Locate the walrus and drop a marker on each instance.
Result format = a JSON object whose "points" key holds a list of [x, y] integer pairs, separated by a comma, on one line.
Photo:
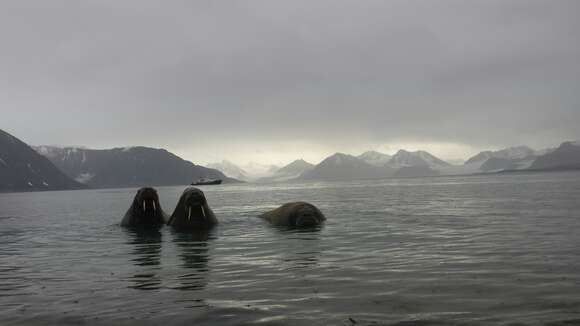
{"points": [[145, 210], [297, 214], [192, 211]]}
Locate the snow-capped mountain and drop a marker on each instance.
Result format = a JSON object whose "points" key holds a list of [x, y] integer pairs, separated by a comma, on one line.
{"points": [[230, 169], [127, 167], [23, 169], [256, 170], [513, 158], [295, 168], [289, 172], [403, 164], [404, 159], [344, 167], [512, 153], [375, 158]]}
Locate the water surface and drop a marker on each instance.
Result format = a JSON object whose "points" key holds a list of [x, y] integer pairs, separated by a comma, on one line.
{"points": [[494, 250]]}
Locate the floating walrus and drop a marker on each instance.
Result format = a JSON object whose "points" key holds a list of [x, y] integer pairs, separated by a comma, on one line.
{"points": [[297, 214]]}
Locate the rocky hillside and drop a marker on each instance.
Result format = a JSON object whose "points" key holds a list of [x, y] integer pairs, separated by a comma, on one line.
{"points": [[23, 169], [567, 156]]}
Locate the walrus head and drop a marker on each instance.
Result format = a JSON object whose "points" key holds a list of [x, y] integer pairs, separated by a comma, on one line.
{"points": [[192, 211], [145, 210], [296, 214], [305, 215]]}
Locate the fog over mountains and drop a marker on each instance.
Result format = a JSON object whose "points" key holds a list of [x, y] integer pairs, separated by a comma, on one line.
{"points": [[230, 170], [159, 167], [275, 81], [23, 168], [373, 165]]}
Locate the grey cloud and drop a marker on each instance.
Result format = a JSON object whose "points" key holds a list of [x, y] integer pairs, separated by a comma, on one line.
{"points": [[486, 73]]}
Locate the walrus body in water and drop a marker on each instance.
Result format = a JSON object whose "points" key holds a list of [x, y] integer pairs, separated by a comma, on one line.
{"points": [[192, 211], [145, 210], [298, 214]]}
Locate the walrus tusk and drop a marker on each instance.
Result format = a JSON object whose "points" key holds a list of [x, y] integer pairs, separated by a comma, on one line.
{"points": [[189, 215], [154, 207], [202, 211], [144, 209]]}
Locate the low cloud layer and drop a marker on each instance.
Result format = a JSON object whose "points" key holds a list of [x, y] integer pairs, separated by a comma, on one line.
{"points": [[273, 80]]}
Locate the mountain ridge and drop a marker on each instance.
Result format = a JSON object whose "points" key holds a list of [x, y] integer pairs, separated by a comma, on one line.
{"points": [[290, 171], [375, 158], [23, 169], [134, 166]]}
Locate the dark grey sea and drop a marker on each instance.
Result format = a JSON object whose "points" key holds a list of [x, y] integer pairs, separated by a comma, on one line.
{"points": [[480, 250]]}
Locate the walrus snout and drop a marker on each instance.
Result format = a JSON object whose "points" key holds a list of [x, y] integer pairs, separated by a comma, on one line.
{"points": [[148, 200], [306, 221], [194, 206], [306, 216]]}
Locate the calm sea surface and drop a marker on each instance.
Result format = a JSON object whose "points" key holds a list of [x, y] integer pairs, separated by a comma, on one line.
{"points": [[496, 250]]}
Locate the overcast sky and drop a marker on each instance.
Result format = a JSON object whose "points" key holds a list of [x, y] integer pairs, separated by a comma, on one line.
{"points": [[271, 81]]}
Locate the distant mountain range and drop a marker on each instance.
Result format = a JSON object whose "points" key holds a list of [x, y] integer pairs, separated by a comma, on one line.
{"points": [[249, 172], [344, 167], [127, 167], [289, 172], [374, 165], [519, 152], [231, 170], [23, 169], [263, 173]]}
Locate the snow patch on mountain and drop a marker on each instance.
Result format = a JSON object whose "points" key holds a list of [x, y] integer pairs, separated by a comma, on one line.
{"points": [[230, 169], [375, 158], [404, 158], [289, 172], [512, 153], [258, 170], [85, 177]]}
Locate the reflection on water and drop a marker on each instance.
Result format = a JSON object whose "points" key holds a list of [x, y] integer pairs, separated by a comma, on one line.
{"points": [[193, 252], [146, 256], [303, 248]]}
